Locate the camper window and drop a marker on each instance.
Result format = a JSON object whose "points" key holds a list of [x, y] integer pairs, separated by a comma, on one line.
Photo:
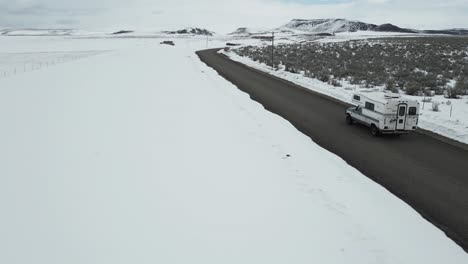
{"points": [[357, 98], [412, 111], [370, 106], [401, 111]]}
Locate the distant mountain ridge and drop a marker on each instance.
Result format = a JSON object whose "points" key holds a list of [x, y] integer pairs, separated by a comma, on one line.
{"points": [[328, 25], [340, 25], [248, 31], [192, 31], [453, 31], [122, 33]]}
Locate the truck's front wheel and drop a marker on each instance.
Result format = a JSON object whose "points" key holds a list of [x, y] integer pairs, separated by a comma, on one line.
{"points": [[349, 119], [375, 131]]}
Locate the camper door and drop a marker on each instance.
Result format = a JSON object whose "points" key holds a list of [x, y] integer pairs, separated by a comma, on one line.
{"points": [[401, 116]]}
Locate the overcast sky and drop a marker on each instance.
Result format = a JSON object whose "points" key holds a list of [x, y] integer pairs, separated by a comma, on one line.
{"points": [[224, 16]]}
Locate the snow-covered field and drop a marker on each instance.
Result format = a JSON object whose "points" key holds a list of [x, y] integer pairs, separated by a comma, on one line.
{"points": [[19, 63], [143, 154], [450, 121]]}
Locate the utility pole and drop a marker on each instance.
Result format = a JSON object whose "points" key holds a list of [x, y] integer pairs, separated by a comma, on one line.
{"points": [[465, 80], [272, 50]]}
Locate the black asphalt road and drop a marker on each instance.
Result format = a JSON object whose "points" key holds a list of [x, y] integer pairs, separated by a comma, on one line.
{"points": [[427, 173]]}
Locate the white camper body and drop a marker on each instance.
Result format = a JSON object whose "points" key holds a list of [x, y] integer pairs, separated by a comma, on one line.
{"points": [[384, 113]]}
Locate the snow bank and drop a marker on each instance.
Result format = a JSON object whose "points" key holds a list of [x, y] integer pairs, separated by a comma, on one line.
{"points": [[143, 154], [451, 121]]}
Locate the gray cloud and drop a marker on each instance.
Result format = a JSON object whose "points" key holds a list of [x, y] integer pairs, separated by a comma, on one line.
{"points": [[223, 15], [50, 14]]}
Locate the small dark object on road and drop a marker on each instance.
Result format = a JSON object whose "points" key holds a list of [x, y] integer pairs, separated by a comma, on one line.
{"points": [[325, 34], [168, 42], [232, 44], [122, 32]]}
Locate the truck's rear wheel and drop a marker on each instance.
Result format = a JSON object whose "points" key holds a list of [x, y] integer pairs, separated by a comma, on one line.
{"points": [[349, 119], [375, 131]]}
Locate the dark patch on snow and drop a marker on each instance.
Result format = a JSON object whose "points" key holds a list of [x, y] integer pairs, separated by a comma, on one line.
{"points": [[167, 42], [325, 34], [122, 32]]}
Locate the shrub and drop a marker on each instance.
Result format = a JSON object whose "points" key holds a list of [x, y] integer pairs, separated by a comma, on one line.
{"points": [[435, 106], [323, 76], [289, 68], [390, 85], [430, 62], [335, 83], [455, 92], [412, 88], [461, 86], [439, 90]]}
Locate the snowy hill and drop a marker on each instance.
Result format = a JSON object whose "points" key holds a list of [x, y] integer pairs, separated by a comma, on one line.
{"points": [[392, 28], [326, 25], [191, 31], [339, 25], [247, 31]]}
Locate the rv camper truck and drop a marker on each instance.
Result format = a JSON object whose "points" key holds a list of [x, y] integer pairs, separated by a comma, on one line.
{"points": [[384, 113]]}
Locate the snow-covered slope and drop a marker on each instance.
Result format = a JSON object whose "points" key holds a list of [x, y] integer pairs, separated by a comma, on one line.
{"points": [[38, 32], [339, 25], [143, 154], [247, 31], [327, 25]]}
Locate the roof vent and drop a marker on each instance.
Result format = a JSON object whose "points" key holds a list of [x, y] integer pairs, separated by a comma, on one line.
{"points": [[391, 96]]}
